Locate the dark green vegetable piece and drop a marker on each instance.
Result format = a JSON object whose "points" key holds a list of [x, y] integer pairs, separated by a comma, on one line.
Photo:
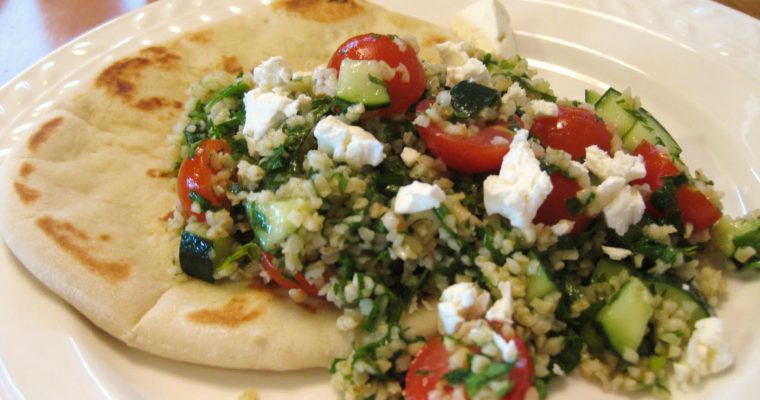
{"points": [[740, 234], [469, 98], [195, 255]]}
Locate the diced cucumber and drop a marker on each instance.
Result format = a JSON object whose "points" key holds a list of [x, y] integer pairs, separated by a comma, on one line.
{"points": [[683, 294], [624, 319], [606, 269], [361, 81], [616, 117], [732, 236], [540, 284], [199, 256], [270, 222], [591, 96], [651, 130]]}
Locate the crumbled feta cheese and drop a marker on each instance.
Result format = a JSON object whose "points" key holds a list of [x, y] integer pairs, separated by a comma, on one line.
{"points": [[626, 166], [510, 101], [348, 143], [708, 352], [472, 70], [486, 24], [521, 186], [616, 253], [501, 310], [625, 210], [508, 349], [410, 156], [606, 192], [418, 196], [300, 104], [453, 54], [273, 73], [263, 111], [461, 302], [325, 81], [543, 108]]}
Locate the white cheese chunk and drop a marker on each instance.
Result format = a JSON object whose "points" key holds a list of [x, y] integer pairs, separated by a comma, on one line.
{"points": [[708, 352], [325, 81], [486, 24], [521, 186], [453, 54], [472, 70], [461, 302], [543, 108], [348, 143], [501, 310], [626, 166], [624, 210], [263, 111], [418, 196], [273, 73], [508, 349]]}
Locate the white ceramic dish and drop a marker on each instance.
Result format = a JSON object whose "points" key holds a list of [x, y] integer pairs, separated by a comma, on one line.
{"points": [[695, 64]]}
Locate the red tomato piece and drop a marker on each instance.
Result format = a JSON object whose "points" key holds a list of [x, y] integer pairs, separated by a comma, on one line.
{"points": [[432, 363], [405, 88], [469, 154], [696, 208], [658, 164], [554, 209], [195, 176], [572, 130], [299, 283]]}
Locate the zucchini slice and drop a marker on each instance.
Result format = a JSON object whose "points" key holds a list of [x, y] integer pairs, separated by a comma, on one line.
{"points": [[624, 319], [362, 82], [199, 256]]}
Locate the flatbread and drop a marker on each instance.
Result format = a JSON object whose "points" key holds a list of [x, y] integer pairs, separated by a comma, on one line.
{"points": [[85, 198]]}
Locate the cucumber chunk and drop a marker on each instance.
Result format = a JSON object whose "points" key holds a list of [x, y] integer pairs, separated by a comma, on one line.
{"points": [[540, 284], [606, 269], [736, 238], [685, 295], [624, 319], [199, 256], [362, 82], [652, 131], [591, 96], [269, 221], [616, 117]]}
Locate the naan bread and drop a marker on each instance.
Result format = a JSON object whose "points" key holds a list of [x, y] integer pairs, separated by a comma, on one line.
{"points": [[85, 198]]}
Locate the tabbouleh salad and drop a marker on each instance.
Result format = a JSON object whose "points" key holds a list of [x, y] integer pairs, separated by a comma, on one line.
{"points": [[552, 235]]}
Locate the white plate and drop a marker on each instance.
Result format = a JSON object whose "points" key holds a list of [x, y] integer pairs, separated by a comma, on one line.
{"points": [[695, 64]]}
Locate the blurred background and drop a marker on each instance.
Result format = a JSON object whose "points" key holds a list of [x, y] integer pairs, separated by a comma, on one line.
{"points": [[30, 29]]}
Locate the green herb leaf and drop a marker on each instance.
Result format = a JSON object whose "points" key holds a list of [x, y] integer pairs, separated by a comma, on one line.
{"points": [[202, 201]]}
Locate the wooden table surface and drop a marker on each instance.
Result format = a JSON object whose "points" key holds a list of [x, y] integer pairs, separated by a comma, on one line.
{"points": [[30, 29]]}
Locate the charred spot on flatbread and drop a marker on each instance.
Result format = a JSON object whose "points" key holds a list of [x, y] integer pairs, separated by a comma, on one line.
{"points": [[433, 39], [236, 312], [25, 170], [26, 194], [77, 244], [201, 37], [231, 65], [322, 10], [104, 237], [122, 78], [157, 173], [44, 133]]}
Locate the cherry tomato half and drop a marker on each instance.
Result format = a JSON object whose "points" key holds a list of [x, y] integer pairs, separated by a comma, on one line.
{"points": [[432, 363], [572, 130], [274, 273], [195, 175], [481, 152], [696, 208], [405, 88], [554, 207]]}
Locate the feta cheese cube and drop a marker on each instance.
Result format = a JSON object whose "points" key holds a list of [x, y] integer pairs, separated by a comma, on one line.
{"points": [[418, 196], [624, 210], [461, 302], [501, 310], [263, 111], [453, 54], [273, 73], [521, 186], [508, 349], [543, 108], [472, 70], [626, 166], [347, 143], [486, 24], [708, 352], [325, 81]]}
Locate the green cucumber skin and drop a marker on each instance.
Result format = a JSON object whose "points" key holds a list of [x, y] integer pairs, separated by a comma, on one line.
{"points": [[269, 221], [540, 284], [355, 85], [731, 234], [675, 292]]}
